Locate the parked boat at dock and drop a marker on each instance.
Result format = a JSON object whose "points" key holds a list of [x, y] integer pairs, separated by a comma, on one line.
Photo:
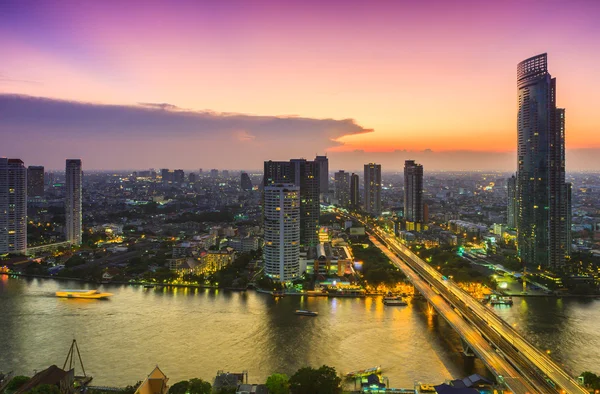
{"points": [[364, 372], [394, 301], [84, 294]]}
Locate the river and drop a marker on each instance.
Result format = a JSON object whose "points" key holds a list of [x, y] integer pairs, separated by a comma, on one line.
{"points": [[195, 332]]}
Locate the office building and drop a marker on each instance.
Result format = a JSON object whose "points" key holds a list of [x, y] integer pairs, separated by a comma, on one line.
{"points": [[246, 182], [542, 194], [166, 175], [511, 209], [178, 176], [323, 162], [73, 200], [304, 174], [35, 181], [372, 181], [281, 251], [214, 173], [342, 188], [13, 206], [354, 191], [413, 192]]}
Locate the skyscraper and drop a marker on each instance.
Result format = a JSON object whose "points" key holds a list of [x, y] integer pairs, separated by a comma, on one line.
{"points": [[413, 192], [542, 194], [512, 211], [354, 191], [73, 199], [35, 181], [282, 231], [342, 188], [372, 179], [246, 183], [304, 174], [323, 162], [307, 176], [13, 206]]}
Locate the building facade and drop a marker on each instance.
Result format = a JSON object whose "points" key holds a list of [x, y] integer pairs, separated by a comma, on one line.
{"points": [[372, 180], [323, 162], [281, 250], [413, 192], [306, 175], [35, 181], [511, 209], [13, 206], [354, 191], [73, 200], [245, 182], [342, 188], [542, 194]]}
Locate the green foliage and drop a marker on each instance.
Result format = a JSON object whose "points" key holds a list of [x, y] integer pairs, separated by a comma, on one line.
{"points": [[131, 389], [74, 261], [45, 389], [591, 380], [278, 384], [227, 390], [452, 265], [209, 217], [377, 268], [308, 380], [17, 382], [179, 387], [199, 386]]}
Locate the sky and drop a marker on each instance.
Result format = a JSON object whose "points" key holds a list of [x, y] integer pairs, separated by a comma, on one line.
{"points": [[228, 84]]}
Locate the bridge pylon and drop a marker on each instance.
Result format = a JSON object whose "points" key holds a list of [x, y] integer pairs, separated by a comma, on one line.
{"points": [[466, 349]]}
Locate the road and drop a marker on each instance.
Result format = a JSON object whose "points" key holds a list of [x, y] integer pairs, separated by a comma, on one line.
{"points": [[533, 365], [480, 346]]}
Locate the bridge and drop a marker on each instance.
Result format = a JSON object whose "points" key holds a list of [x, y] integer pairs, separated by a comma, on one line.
{"points": [[508, 355]]}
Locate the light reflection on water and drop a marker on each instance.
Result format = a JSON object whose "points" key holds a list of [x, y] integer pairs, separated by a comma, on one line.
{"points": [[195, 332]]}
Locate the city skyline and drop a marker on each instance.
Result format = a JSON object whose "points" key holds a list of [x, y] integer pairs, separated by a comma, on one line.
{"points": [[132, 90]]}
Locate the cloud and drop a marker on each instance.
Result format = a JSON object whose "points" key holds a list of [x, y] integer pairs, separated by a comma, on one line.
{"points": [[158, 134]]}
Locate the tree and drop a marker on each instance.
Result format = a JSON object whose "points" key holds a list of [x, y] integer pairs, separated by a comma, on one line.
{"points": [[74, 261], [199, 386], [278, 383], [17, 382], [45, 389], [179, 387], [131, 389], [308, 380]]}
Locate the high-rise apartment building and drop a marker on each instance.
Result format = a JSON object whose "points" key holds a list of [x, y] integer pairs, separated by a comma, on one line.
{"points": [[354, 191], [73, 200], [511, 209], [178, 176], [304, 174], [413, 192], [35, 181], [342, 188], [372, 180], [214, 173], [542, 194], [13, 206], [323, 174], [282, 231], [246, 182]]}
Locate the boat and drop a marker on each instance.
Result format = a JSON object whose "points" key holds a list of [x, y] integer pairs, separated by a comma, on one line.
{"points": [[502, 301], [278, 294], [84, 294], [303, 312], [364, 372], [148, 286], [394, 301]]}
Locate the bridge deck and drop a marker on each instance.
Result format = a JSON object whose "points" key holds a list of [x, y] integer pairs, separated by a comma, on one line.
{"points": [[493, 360]]}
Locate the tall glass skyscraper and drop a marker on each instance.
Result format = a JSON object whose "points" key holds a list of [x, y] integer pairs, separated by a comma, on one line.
{"points": [[73, 199], [13, 206], [542, 194], [372, 179], [413, 192], [282, 231]]}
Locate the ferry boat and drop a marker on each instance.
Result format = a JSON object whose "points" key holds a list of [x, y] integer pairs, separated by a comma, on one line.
{"points": [[394, 301], [85, 294], [364, 372], [303, 312], [502, 301]]}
